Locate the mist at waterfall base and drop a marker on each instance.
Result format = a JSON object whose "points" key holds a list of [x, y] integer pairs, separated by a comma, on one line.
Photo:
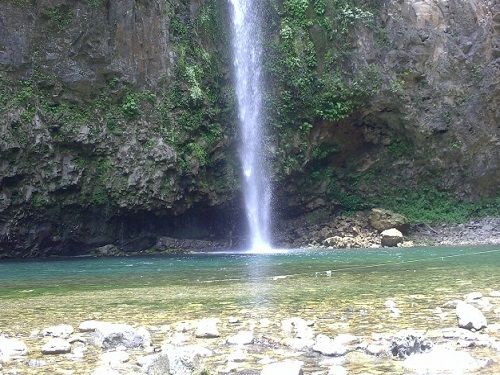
{"points": [[247, 57]]}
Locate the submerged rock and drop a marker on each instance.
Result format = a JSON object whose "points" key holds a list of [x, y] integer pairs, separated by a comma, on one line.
{"points": [[56, 346], [111, 336], [470, 317], [391, 237], [288, 367]]}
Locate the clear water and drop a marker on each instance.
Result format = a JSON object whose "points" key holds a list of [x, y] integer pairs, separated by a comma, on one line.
{"points": [[165, 290], [247, 57]]}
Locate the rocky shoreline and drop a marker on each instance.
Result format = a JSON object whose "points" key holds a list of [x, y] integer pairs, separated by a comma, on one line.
{"points": [[238, 345]]}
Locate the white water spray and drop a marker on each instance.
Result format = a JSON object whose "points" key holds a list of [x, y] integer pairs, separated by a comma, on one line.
{"points": [[247, 55]]}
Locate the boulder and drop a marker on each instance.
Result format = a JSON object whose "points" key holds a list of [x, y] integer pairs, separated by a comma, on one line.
{"points": [[287, 367], [61, 330], [207, 328], [381, 220], [56, 346], [391, 237], [10, 347], [442, 360], [470, 317], [111, 336], [326, 346]]}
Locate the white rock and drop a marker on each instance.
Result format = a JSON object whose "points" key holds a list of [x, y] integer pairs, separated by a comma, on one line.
{"points": [[283, 368], [346, 339], [264, 323], [56, 346], [469, 317], [390, 304], [105, 370], [183, 326], [241, 338], [473, 296], [61, 330], [495, 293], [377, 349], [298, 344], [329, 347], [233, 320], [391, 237], [337, 370], [12, 348], [207, 328], [443, 360]]}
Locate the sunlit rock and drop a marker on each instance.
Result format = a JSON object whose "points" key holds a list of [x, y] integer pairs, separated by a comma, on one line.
{"points": [[56, 346], [11, 348], [391, 237], [443, 360], [381, 220], [61, 330], [326, 346], [470, 317], [241, 338], [288, 367], [207, 328]]}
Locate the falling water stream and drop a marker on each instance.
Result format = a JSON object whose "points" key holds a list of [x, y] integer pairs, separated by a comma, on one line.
{"points": [[247, 55]]}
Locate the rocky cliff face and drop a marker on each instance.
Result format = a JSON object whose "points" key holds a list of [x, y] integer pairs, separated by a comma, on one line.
{"points": [[118, 117]]}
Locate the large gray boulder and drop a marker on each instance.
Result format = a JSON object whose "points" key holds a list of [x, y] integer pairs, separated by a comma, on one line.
{"points": [[111, 335], [470, 317]]}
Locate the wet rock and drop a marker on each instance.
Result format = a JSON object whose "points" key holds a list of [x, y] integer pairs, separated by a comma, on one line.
{"points": [[382, 220], [207, 328], [56, 346], [288, 367], [241, 338], [391, 237], [11, 348], [61, 330], [407, 342], [111, 336], [107, 250], [329, 347], [443, 360], [469, 317]]}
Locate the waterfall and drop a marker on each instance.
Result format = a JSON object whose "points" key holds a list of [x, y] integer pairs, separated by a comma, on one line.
{"points": [[247, 55]]}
